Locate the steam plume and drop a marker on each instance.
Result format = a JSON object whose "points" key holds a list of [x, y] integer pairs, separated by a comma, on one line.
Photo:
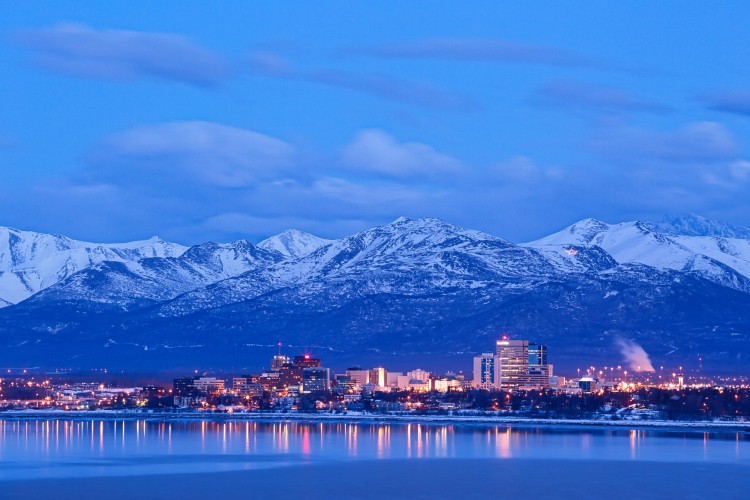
{"points": [[634, 355]]}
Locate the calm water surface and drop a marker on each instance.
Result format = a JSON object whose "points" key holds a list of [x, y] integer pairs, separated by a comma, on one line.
{"points": [[32, 449]]}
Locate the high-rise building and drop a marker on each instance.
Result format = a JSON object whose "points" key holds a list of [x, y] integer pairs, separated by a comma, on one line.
{"points": [[315, 379], [537, 354], [278, 361], [539, 375], [271, 381], [514, 362], [184, 386], [306, 361], [487, 371], [379, 377], [539, 370], [291, 373], [344, 384], [419, 374], [358, 375], [209, 385]]}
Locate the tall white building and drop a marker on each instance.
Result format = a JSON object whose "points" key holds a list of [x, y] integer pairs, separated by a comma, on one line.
{"points": [[487, 371], [419, 374]]}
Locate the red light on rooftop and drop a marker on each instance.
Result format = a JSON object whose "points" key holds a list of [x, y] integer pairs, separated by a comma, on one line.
{"points": [[505, 337], [307, 356]]}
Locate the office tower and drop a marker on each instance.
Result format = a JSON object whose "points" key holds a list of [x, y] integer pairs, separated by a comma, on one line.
{"points": [[278, 361], [514, 362], [539, 370], [358, 375], [209, 385], [379, 377], [419, 374], [306, 361], [487, 371], [537, 354], [184, 386], [315, 379], [291, 373]]}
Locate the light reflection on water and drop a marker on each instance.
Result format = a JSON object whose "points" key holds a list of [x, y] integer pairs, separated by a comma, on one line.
{"points": [[65, 448]]}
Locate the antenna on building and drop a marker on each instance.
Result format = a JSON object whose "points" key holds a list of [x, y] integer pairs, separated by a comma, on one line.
{"points": [[279, 348]]}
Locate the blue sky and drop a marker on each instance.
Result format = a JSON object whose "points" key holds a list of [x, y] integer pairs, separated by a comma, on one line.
{"points": [[223, 120]]}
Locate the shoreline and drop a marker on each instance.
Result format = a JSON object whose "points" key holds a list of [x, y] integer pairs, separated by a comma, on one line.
{"points": [[692, 425]]}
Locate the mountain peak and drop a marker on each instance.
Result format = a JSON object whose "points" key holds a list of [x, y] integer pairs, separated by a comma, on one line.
{"points": [[293, 243], [401, 220], [583, 232]]}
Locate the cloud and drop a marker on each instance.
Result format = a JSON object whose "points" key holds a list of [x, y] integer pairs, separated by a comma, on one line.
{"points": [[205, 152], [740, 170], [697, 168], [731, 101], [120, 55], [581, 95], [269, 64], [695, 142], [478, 49], [376, 151], [523, 169], [193, 181]]}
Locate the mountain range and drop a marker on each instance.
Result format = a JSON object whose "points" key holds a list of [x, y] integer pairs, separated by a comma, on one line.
{"points": [[413, 291]]}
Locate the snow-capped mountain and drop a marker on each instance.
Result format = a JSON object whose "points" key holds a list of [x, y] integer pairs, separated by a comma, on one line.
{"points": [[409, 256], [723, 260], [293, 243], [695, 225], [30, 261], [125, 283], [411, 287]]}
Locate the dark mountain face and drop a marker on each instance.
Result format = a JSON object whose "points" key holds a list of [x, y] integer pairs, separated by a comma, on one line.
{"points": [[412, 293]]}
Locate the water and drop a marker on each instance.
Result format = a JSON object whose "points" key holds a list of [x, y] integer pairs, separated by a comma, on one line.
{"points": [[39, 449]]}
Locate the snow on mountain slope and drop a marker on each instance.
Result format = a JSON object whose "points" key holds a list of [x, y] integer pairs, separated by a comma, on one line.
{"points": [[408, 257], [722, 260], [31, 261], [293, 243], [159, 278], [404, 242]]}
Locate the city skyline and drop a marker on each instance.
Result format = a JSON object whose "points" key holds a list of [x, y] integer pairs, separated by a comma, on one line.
{"points": [[374, 249]]}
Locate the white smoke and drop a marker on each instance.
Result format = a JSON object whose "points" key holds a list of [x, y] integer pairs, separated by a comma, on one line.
{"points": [[635, 356]]}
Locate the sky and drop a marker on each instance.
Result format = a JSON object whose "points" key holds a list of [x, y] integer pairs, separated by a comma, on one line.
{"points": [[199, 121]]}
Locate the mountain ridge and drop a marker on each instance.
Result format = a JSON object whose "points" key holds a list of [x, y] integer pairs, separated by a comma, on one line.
{"points": [[423, 284]]}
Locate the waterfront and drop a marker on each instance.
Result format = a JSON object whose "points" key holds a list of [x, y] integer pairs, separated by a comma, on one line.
{"points": [[176, 454]]}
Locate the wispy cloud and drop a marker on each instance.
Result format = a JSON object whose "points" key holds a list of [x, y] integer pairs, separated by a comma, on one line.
{"points": [[378, 152], [208, 153], [121, 55], [478, 49], [208, 180], [695, 142], [730, 101], [421, 93], [571, 94]]}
